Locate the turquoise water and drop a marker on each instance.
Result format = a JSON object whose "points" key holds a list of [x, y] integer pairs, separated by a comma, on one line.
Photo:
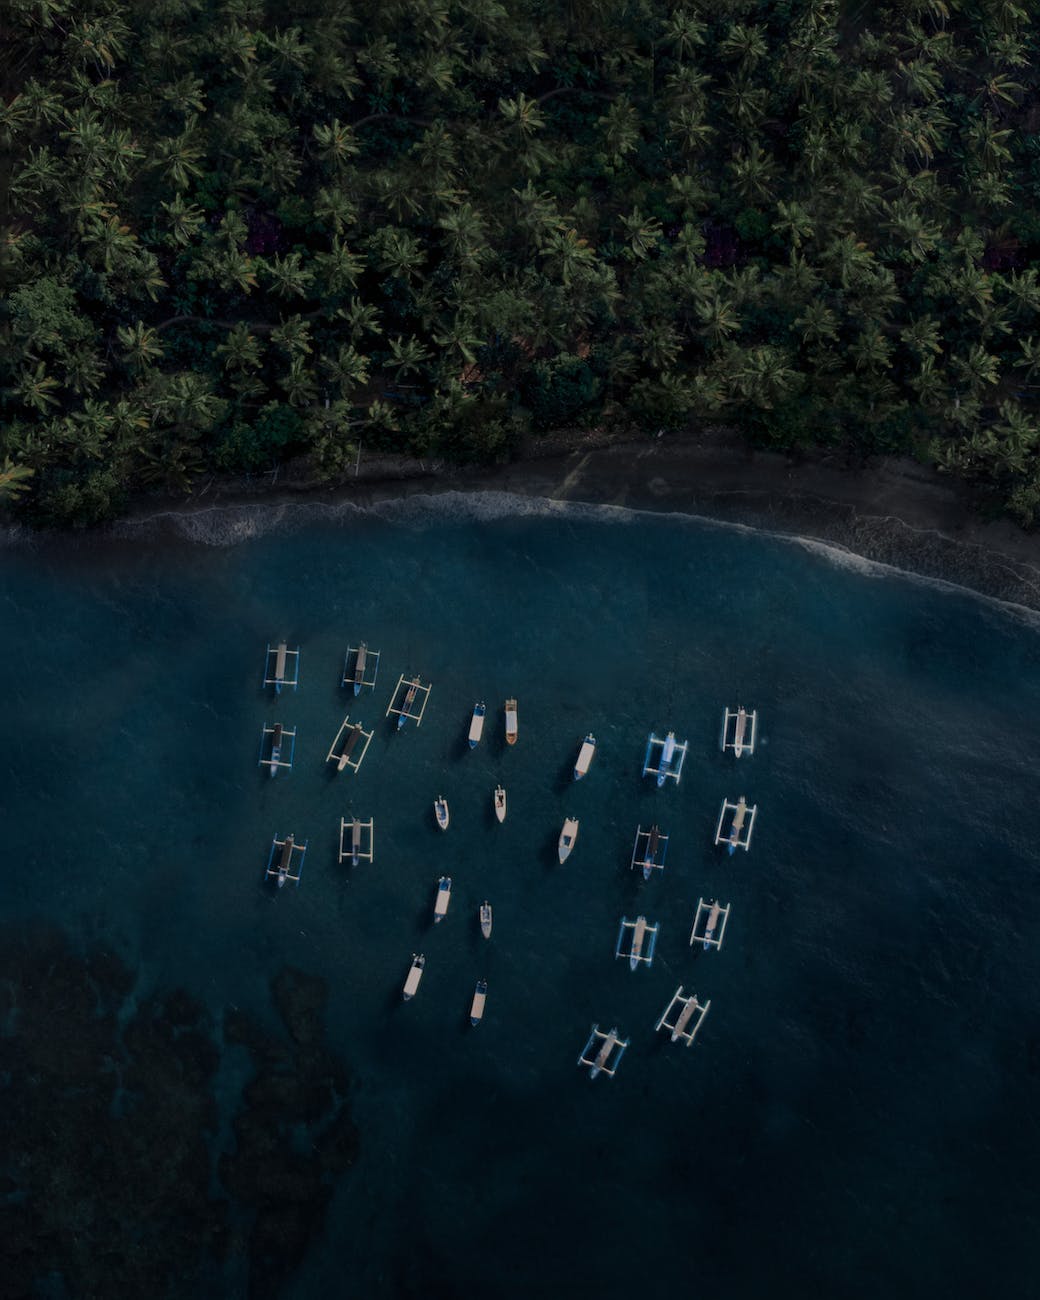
{"points": [[858, 1113]]}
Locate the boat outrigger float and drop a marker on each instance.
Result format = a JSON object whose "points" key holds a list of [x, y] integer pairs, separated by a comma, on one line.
{"points": [[411, 984], [737, 737], [288, 866], [609, 1050], [476, 724], [272, 747], [712, 913], [680, 1025], [356, 840], [585, 756], [567, 837], [669, 762], [365, 669], [741, 824], [282, 667], [413, 701], [640, 929], [344, 750], [649, 850]]}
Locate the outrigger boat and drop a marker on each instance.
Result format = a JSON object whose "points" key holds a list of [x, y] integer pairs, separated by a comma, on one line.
{"points": [[289, 866], [359, 848], [713, 913], [411, 984], [585, 756], [485, 919], [670, 762], [511, 722], [365, 661], [500, 803], [476, 1010], [739, 835], [278, 671], [680, 1026], [736, 737], [649, 850], [567, 837], [342, 750], [413, 690], [440, 906], [605, 1059], [440, 808], [476, 724], [272, 742], [640, 929]]}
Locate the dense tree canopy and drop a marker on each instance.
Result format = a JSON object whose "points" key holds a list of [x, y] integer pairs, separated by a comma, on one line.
{"points": [[238, 229]]}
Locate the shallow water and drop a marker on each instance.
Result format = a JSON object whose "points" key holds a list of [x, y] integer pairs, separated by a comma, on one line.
{"points": [[858, 1113]]}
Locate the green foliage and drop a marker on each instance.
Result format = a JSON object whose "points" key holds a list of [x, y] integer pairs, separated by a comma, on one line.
{"points": [[247, 446], [564, 391]]}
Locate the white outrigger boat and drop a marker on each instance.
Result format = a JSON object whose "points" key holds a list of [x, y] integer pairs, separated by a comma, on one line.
{"points": [[440, 906], [670, 762], [476, 724], [440, 809], [511, 722], [680, 1026], [415, 971], [289, 866], [365, 661], [741, 824], [500, 803], [485, 919], [713, 913], [606, 1059], [414, 692], [649, 850], [567, 837], [359, 844], [736, 737], [272, 744], [476, 1010], [640, 929], [278, 671], [585, 756], [346, 741]]}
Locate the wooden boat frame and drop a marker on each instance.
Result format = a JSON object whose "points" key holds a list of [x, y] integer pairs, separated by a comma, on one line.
{"points": [[275, 675], [287, 842], [743, 838], [267, 758], [674, 769], [601, 1062], [371, 660], [645, 862], [728, 740], [679, 1028], [359, 849], [403, 714], [636, 955], [704, 909], [341, 749]]}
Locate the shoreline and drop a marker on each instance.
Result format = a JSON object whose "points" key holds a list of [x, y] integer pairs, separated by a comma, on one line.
{"points": [[893, 510]]}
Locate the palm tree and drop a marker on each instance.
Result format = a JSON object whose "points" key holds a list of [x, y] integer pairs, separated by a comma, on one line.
{"points": [[685, 32], [793, 223], [718, 319], [37, 389], [185, 219], [348, 369], [337, 143], [406, 356], [288, 276], [14, 479], [141, 346], [241, 350]]}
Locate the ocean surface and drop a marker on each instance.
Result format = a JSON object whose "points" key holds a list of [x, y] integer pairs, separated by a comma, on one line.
{"points": [[859, 1113]]}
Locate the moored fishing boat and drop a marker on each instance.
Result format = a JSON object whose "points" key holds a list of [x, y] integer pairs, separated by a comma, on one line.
{"points": [[567, 837], [415, 972], [476, 724], [409, 700], [440, 907], [440, 808], [713, 920], [485, 919], [500, 803], [476, 1011], [585, 756], [511, 722]]}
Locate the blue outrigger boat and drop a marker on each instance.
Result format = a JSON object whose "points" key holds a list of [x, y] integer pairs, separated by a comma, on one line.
{"points": [[289, 866], [670, 763], [640, 930], [605, 1059], [272, 744], [649, 850], [278, 670]]}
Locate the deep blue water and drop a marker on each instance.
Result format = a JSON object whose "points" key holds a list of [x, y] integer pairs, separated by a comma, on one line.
{"points": [[859, 1113]]}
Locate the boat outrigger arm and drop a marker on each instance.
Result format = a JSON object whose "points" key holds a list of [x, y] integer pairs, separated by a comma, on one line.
{"points": [[609, 1049], [365, 669], [741, 824], [687, 1019], [344, 751], [282, 667], [709, 924], [737, 736], [640, 929], [667, 764], [410, 708], [357, 840], [272, 747]]}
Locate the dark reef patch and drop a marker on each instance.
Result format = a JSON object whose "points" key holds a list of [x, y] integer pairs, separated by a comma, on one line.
{"points": [[108, 1120]]}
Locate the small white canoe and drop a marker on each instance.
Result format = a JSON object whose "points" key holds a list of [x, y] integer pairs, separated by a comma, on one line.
{"points": [[415, 971], [440, 808], [476, 1011], [440, 907], [476, 726], [511, 722], [485, 919], [500, 803], [567, 837], [585, 755]]}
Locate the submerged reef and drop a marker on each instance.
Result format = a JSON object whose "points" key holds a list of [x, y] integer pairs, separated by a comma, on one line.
{"points": [[120, 1173]]}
